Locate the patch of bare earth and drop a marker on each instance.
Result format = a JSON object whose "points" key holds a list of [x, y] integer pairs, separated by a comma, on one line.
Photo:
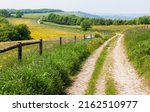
{"points": [[128, 81], [81, 82]]}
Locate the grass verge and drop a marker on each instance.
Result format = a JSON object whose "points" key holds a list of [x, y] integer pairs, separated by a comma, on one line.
{"points": [[137, 43], [46, 74]]}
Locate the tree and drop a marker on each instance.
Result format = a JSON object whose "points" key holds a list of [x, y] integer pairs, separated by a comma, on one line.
{"points": [[108, 21], [85, 24], [19, 14], [9, 32], [79, 20], [4, 13], [144, 20], [23, 32]]}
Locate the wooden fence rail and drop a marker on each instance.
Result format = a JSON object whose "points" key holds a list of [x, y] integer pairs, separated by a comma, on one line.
{"points": [[9, 48], [19, 45]]}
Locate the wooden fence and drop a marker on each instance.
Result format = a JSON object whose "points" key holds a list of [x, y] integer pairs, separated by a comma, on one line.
{"points": [[19, 46]]}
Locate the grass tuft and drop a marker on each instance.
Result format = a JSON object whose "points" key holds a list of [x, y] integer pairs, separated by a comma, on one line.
{"points": [[110, 88]]}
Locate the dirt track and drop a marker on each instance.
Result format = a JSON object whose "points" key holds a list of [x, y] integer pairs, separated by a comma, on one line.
{"points": [[80, 83], [117, 65], [126, 77]]}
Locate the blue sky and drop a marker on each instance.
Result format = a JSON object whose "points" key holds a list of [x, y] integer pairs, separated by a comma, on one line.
{"points": [[92, 6]]}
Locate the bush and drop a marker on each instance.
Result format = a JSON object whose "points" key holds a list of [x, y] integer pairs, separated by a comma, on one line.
{"points": [[3, 20], [85, 24], [23, 32], [97, 35], [9, 32], [19, 14]]}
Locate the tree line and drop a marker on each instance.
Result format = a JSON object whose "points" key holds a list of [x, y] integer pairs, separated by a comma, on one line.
{"points": [[76, 20], [27, 11], [20, 12], [73, 19], [9, 32]]}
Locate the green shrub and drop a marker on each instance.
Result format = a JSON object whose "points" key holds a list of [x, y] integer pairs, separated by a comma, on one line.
{"points": [[9, 32], [85, 24], [97, 35]]}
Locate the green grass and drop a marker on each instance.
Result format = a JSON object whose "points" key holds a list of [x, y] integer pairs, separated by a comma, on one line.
{"points": [[110, 88], [35, 15], [47, 74], [137, 42], [95, 75]]}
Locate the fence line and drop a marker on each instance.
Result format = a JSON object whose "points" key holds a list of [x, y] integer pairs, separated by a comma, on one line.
{"points": [[19, 45]]}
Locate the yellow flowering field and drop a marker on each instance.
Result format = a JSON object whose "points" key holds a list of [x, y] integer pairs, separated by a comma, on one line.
{"points": [[39, 31], [115, 28]]}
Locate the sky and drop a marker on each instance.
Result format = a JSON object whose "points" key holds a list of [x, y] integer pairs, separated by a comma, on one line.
{"points": [[90, 6]]}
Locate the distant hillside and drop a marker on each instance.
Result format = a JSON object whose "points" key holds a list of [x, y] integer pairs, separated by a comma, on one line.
{"points": [[27, 11], [120, 16], [78, 13]]}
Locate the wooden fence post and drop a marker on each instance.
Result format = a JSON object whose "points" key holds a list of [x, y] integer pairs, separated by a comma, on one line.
{"points": [[84, 36], [19, 51], [60, 41], [91, 36], [41, 47], [75, 39]]}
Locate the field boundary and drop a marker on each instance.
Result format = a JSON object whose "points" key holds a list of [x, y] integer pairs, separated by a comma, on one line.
{"points": [[19, 45]]}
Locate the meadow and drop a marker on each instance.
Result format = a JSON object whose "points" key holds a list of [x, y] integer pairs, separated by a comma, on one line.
{"points": [[54, 71], [137, 42], [43, 31], [52, 30]]}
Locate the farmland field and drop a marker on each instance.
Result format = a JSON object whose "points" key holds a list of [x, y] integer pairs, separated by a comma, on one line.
{"points": [[52, 30], [56, 69], [46, 31]]}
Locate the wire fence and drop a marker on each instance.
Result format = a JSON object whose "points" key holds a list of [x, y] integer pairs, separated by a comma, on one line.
{"points": [[42, 45]]}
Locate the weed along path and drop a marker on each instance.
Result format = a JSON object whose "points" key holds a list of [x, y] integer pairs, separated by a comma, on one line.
{"points": [[105, 84], [81, 81], [126, 77]]}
